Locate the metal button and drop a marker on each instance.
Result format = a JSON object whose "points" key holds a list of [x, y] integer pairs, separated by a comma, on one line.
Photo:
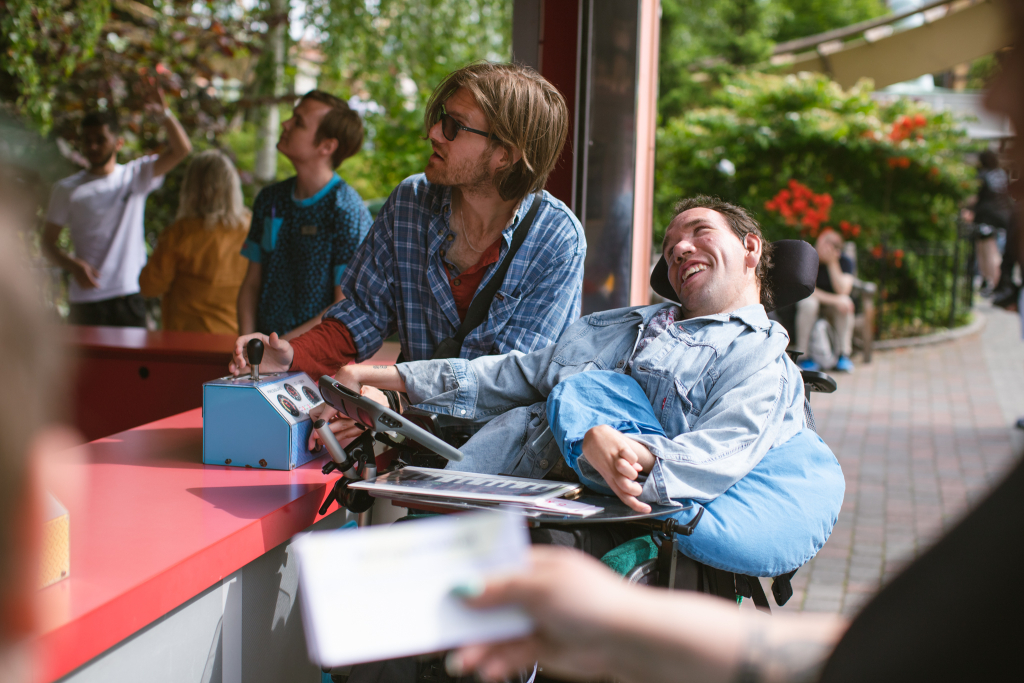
{"points": [[442, 253], [456, 282], [450, 237], [463, 412], [543, 463], [620, 363]]}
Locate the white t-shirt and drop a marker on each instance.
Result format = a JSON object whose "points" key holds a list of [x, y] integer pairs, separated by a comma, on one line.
{"points": [[104, 214]]}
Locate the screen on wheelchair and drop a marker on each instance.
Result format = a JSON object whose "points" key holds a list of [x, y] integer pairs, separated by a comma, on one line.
{"points": [[378, 418], [348, 407]]}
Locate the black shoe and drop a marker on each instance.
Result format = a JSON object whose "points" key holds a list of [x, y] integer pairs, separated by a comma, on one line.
{"points": [[1006, 297]]}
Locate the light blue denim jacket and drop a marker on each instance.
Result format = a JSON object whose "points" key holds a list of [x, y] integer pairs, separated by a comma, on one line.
{"points": [[721, 386]]}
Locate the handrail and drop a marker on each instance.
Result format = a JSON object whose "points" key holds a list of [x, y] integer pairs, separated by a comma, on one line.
{"points": [[853, 29]]}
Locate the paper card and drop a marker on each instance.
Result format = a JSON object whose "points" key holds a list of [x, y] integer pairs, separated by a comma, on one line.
{"points": [[384, 592]]}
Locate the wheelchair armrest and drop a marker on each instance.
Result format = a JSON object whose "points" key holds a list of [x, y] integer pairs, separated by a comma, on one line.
{"points": [[424, 419], [818, 381]]}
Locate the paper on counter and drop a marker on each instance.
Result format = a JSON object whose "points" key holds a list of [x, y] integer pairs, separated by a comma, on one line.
{"points": [[383, 592]]}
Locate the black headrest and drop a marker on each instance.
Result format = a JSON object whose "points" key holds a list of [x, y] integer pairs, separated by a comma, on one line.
{"points": [[791, 278]]}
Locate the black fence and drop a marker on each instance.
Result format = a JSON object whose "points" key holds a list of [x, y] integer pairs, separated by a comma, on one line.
{"points": [[922, 287]]}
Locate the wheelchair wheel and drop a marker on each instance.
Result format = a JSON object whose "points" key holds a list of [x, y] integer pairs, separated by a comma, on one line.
{"points": [[644, 574]]}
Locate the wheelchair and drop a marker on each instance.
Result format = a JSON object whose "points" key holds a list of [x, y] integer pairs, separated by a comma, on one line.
{"points": [[650, 539]]}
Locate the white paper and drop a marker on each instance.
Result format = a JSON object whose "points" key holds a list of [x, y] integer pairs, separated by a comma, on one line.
{"points": [[383, 592]]}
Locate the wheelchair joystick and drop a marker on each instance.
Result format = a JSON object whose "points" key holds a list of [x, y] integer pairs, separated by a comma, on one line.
{"points": [[254, 354]]}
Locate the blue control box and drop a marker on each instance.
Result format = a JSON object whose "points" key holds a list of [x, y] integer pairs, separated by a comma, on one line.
{"points": [[261, 424]]}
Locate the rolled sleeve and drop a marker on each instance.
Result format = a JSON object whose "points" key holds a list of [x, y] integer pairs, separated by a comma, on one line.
{"points": [[447, 386], [252, 251]]}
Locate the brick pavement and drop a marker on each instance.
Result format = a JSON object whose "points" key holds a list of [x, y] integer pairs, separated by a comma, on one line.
{"points": [[921, 434]]}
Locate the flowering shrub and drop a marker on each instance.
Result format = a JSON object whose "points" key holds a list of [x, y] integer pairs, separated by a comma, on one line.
{"points": [[806, 154]]}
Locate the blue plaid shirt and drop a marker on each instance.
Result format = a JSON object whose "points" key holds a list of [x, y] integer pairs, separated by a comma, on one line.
{"points": [[396, 280]]}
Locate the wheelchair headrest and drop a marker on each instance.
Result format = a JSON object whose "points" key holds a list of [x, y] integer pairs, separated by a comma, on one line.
{"points": [[791, 277]]}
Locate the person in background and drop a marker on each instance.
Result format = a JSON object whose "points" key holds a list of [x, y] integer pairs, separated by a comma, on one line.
{"points": [[103, 208], [306, 228], [991, 212], [196, 266], [31, 346], [831, 299], [945, 618]]}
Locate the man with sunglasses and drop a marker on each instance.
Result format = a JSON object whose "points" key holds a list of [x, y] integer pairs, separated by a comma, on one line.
{"points": [[496, 131]]}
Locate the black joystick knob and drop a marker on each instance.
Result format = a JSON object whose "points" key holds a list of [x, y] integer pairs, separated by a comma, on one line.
{"points": [[254, 352]]}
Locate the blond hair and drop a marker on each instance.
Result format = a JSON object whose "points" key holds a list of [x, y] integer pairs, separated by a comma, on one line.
{"points": [[523, 110], [212, 191]]}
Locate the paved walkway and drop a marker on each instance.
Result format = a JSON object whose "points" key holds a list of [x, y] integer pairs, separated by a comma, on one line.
{"points": [[922, 434]]}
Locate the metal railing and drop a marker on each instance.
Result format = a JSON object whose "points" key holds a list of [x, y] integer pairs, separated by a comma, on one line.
{"points": [[923, 287]]}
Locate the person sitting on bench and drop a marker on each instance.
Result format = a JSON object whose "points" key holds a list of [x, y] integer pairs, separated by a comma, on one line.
{"points": [[714, 368]]}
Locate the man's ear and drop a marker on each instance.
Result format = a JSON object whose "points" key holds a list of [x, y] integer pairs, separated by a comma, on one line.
{"points": [[754, 246], [119, 144], [327, 147], [508, 156]]}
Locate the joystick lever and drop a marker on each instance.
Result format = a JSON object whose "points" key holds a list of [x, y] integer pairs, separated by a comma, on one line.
{"points": [[254, 353]]}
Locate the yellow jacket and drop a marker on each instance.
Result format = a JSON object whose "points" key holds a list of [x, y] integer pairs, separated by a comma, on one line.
{"points": [[198, 271]]}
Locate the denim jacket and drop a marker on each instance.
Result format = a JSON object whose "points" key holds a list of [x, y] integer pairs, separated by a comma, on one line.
{"points": [[721, 386]]}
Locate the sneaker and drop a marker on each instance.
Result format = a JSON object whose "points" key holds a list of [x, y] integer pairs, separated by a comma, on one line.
{"points": [[1006, 297], [844, 364], [808, 364]]}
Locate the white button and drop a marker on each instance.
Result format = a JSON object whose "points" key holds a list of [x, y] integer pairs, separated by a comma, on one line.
{"points": [[463, 412]]}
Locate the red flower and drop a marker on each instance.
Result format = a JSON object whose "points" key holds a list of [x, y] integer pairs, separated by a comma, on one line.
{"points": [[919, 120], [855, 231], [877, 251], [898, 253]]}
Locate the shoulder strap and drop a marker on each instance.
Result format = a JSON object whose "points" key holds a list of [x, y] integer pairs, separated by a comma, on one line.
{"points": [[481, 303]]}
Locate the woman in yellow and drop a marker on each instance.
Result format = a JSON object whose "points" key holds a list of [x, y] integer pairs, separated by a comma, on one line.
{"points": [[197, 266]]}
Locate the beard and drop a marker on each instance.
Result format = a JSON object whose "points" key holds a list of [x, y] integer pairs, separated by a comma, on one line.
{"points": [[101, 164], [469, 174]]}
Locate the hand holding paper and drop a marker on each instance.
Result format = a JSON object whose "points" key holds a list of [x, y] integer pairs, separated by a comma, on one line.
{"points": [[385, 592]]}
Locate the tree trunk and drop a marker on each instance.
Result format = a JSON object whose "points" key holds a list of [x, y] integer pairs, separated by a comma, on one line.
{"points": [[266, 154]]}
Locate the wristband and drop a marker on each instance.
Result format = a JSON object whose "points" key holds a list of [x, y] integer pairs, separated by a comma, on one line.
{"points": [[168, 114], [394, 402]]}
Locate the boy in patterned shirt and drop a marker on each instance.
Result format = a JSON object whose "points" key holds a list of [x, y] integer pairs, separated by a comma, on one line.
{"points": [[306, 228]]}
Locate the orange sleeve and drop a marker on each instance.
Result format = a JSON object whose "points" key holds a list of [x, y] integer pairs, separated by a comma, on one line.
{"points": [[323, 349]]}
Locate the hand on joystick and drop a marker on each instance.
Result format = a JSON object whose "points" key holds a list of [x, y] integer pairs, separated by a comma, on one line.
{"points": [[277, 354]]}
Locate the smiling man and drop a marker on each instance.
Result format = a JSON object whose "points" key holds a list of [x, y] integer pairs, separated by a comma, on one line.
{"points": [[713, 367], [496, 131]]}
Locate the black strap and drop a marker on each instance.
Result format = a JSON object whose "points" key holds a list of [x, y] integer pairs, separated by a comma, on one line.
{"points": [[477, 313]]}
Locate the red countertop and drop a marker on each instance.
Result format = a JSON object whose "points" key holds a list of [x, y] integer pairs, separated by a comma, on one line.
{"points": [[137, 342], [152, 527]]}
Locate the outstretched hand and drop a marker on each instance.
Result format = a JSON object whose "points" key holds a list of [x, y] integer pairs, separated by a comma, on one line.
{"points": [[155, 102], [571, 636], [619, 460], [277, 354]]}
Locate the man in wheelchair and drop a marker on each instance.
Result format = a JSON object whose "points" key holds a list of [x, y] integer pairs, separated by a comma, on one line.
{"points": [[669, 404]]}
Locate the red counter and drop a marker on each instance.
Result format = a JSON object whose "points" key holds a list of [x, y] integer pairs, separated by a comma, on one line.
{"points": [[129, 376], [151, 527]]}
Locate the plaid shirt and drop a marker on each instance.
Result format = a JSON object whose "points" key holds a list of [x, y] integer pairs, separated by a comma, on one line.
{"points": [[396, 281]]}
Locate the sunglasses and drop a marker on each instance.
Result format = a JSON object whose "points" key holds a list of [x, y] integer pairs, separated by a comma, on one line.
{"points": [[450, 128]]}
